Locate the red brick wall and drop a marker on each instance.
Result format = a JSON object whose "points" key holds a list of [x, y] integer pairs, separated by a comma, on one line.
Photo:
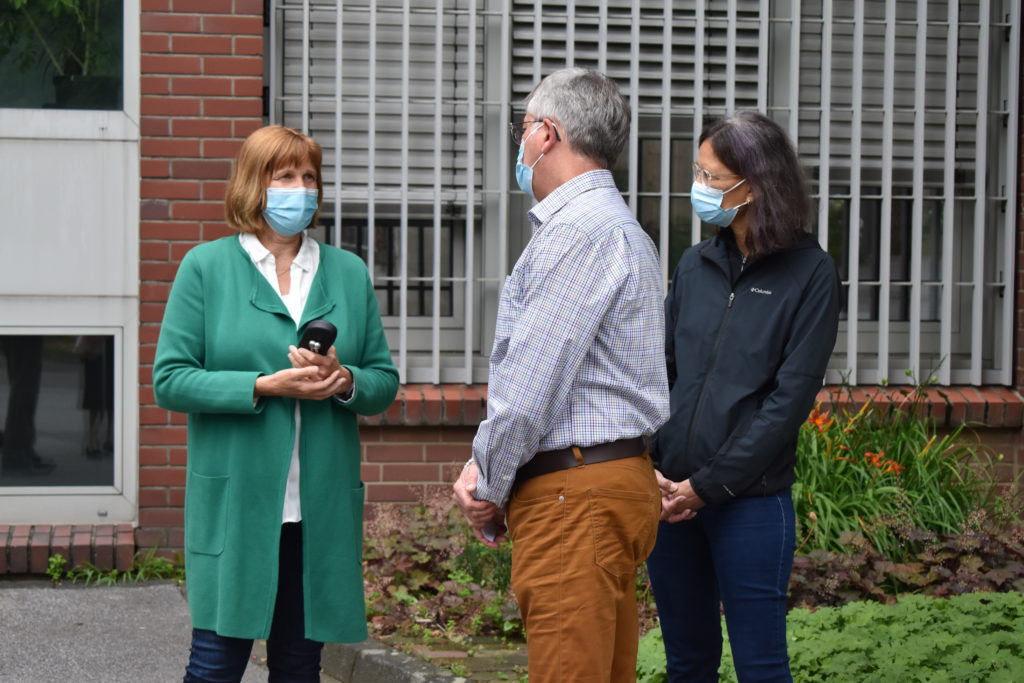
{"points": [[202, 85], [405, 464]]}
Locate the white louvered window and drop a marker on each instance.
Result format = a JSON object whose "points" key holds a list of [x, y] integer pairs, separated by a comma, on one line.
{"points": [[904, 113]]}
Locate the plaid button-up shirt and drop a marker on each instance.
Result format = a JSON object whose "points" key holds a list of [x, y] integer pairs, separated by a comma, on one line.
{"points": [[579, 348]]}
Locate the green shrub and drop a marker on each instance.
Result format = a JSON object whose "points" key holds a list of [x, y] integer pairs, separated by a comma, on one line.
{"points": [[888, 474], [977, 637]]}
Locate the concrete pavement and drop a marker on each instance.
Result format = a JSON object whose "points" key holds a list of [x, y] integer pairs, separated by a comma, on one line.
{"points": [[120, 634], [140, 633]]}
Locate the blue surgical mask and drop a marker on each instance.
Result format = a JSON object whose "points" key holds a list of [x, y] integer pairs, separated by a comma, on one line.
{"points": [[707, 202], [290, 209], [524, 173]]}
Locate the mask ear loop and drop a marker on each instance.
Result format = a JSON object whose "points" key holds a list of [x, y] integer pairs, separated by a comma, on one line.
{"points": [[742, 180]]}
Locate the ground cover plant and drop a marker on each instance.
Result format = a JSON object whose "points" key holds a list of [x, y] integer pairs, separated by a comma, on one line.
{"points": [[984, 558], [976, 637], [426, 573]]}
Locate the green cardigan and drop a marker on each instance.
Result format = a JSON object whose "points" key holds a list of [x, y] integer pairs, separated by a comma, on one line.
{"points": [[223, 327]]}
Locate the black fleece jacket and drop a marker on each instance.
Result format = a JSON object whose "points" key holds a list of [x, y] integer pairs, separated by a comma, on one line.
{"points": [[747, 345]]}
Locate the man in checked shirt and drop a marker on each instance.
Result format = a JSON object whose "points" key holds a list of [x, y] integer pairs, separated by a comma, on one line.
{"points": [[577, 384]]}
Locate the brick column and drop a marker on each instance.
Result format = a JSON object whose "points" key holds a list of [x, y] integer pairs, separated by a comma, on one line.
{"points": [[202, 86]]}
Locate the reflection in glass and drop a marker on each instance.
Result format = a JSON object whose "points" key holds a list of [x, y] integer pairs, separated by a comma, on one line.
{"points": [[61, 55], [57, 403]]}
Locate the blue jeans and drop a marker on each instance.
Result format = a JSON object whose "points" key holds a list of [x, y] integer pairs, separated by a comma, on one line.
{"points": [[291, 657], [740, 555]]}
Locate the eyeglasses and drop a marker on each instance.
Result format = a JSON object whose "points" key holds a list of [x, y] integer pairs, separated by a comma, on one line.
{"points": [[518, 130], [701, 174]]}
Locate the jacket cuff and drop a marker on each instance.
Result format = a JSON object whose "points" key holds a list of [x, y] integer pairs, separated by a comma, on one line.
{"points": [[714, 494], [346, 398]]}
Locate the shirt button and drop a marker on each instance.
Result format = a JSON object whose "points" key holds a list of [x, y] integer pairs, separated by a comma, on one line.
{"points": [[561, 498]]}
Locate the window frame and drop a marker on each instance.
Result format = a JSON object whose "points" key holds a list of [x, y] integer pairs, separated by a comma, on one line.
{"points": [[88, 124]]}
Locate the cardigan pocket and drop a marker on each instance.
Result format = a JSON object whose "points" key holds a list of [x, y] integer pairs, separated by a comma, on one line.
{"points": [[207, 521]]}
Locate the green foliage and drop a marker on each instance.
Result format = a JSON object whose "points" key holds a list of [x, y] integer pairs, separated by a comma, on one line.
{"points": [[55, 567], [888, 474], [977, 637], [146, 566], [424, 568]]}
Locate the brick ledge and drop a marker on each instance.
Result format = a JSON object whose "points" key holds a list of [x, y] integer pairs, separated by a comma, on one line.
{"points": [[994, 407], [434, 404], [27, 548], [466, 404]]}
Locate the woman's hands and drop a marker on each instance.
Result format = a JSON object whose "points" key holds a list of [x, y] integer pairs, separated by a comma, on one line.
{"points": [[312, 376], [679, 501]]}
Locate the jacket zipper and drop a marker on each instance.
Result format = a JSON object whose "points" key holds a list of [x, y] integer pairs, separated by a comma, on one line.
{"points": [[711, 371], [714, 358]]}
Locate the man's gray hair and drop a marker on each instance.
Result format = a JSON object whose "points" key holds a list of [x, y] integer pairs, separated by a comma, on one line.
{"points": [[591, 114]]}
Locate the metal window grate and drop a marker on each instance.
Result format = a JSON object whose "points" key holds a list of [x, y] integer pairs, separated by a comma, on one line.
{"points": [[903, 111]]}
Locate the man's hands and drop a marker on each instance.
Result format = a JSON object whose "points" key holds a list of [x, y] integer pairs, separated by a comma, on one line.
{"points": [[480, 514], [679, 502], [311, 376]]}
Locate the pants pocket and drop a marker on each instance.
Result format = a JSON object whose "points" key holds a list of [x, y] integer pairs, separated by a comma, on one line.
{"points": [[624, 525], [531, 516], [207, 509]]}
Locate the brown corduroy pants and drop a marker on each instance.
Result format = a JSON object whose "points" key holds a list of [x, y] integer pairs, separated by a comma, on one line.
{"points": [[579, 535]]}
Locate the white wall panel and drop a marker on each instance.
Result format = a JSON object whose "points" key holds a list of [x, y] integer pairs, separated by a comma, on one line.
{"points": [[70, 217]]}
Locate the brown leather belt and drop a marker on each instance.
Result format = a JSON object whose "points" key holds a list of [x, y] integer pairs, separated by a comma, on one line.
{"points": [[547, 462]]}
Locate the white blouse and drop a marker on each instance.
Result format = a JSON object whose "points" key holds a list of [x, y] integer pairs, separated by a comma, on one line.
{"points": [[302, 271]]}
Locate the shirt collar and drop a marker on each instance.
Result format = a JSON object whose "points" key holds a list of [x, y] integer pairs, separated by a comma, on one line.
{"points": [[258, 253], [567, 191]]}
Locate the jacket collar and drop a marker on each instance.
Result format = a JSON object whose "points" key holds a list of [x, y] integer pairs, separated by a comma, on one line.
{"points": [[263, 296], [717, 248], [319, 302]]}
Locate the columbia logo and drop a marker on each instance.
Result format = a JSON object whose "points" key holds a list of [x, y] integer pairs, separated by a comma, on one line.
{"points": [[758, 290]]}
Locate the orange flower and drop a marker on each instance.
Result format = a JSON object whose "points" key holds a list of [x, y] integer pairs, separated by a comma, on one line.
{"points": [[894, 467], [874, 458], [820, 419]]}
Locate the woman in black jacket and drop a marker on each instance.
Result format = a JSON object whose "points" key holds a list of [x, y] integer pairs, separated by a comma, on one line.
{"points": [[751, 320]]}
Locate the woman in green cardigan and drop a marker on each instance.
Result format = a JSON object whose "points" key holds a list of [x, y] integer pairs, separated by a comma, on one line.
{"points": [[273, 502]]}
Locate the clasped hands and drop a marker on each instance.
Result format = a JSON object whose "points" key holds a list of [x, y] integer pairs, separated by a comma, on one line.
{"points": [[312, 376], [479, 513], [679, 502]]}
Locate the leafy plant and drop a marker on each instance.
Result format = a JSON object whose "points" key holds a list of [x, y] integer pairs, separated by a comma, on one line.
{"points": [[55, 567], [977, 637], [987, 557], [888, 474]]}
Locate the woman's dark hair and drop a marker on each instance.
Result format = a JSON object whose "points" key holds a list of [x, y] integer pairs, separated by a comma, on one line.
{"points": [[755, 147]]}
